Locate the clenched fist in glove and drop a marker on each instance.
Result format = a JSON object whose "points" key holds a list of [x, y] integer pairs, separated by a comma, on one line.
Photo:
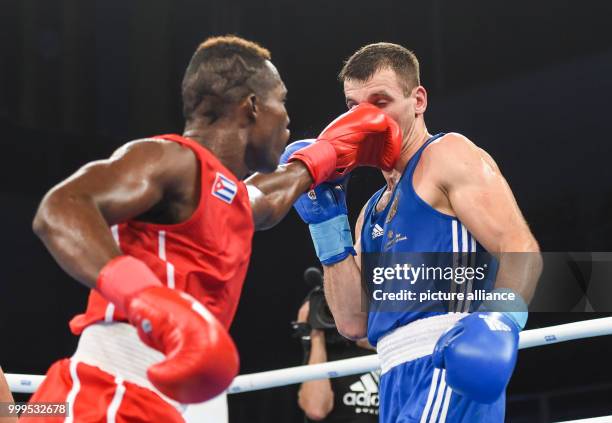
{"points": [[479, 351], [363, 136], [479, 354], [201, 359]]}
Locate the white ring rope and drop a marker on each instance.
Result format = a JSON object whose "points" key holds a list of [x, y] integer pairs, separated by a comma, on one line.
{"points": [[603, 419], [350, 366], [22, 383]]}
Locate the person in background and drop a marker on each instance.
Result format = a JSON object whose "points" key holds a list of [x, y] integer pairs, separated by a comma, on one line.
{"points": [[349, 399]]}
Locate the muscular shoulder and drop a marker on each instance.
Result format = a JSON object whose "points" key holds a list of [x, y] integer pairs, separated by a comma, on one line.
{"points": [[454, 158], [152, 150], [159, 158]]}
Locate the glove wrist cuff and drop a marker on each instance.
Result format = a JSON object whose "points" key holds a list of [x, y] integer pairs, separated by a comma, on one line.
{"points": [[320, 160], [332, 239], [515, 309], [122, 278]]}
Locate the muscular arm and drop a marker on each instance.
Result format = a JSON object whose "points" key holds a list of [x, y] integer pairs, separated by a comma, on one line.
{"points": [[315, 397], [344, 293], [273, 194], [74, 217], [482, 200]]}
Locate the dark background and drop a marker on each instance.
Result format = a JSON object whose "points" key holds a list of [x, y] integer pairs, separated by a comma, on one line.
{"points": [[530, 82]]}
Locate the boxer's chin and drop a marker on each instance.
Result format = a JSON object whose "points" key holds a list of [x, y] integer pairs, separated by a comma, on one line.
{"points": [[264, 161], [269, 166]]}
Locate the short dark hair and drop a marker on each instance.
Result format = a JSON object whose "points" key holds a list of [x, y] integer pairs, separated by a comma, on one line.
{"points": [[222, 71], [366, 61]]}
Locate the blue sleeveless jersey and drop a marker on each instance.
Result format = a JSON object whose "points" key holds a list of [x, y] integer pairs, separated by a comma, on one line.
{"points": [[409, 225]]}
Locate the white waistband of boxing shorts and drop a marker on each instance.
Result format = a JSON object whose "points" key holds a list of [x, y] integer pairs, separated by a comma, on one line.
{"points": [[116, 349], [414, 340]]}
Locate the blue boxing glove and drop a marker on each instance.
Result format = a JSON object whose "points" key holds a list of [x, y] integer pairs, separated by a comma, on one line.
{"points": [[479, 354], [324, 209]]}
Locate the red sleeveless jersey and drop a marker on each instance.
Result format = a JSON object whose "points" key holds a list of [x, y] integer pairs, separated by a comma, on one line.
{"points": [[206, 256]]}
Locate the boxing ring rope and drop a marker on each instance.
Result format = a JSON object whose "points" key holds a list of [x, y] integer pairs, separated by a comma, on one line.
{"points": [[603, 419], [350, 366], [23, 383]]}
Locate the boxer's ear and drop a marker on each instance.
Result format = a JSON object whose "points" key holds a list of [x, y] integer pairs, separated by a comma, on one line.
{"points": [[420, 95], [249, 108]]}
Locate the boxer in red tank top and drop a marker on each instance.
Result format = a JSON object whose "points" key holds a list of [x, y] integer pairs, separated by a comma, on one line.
{"points": [[161, 232], [206, 255]]}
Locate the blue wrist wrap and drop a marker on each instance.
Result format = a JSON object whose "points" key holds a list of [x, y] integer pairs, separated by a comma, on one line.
{"points": [[332, 239], [516, 309]]}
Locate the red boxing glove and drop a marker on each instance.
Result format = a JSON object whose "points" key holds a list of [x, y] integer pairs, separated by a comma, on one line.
{"points": [[201, 358], [363, 136]]}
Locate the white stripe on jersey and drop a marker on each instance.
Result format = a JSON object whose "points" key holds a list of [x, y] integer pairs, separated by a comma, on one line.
{"points": [[76, 387], [161, 252], [115, 232], [432, 391], [447, 398], [439, 397], [111, 412], [454, 236], [110, 308], [469, 283]]}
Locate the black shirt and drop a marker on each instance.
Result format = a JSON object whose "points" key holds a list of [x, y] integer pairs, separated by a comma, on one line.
{"points": [[356, 396]]}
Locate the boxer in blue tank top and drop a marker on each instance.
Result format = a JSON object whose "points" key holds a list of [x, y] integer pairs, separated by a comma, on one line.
{"points": [[445, 203], [408, 224], [425, 230]]}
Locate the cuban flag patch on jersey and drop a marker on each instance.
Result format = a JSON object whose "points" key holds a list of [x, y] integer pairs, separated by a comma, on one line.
{"points": [[224, 188]]}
